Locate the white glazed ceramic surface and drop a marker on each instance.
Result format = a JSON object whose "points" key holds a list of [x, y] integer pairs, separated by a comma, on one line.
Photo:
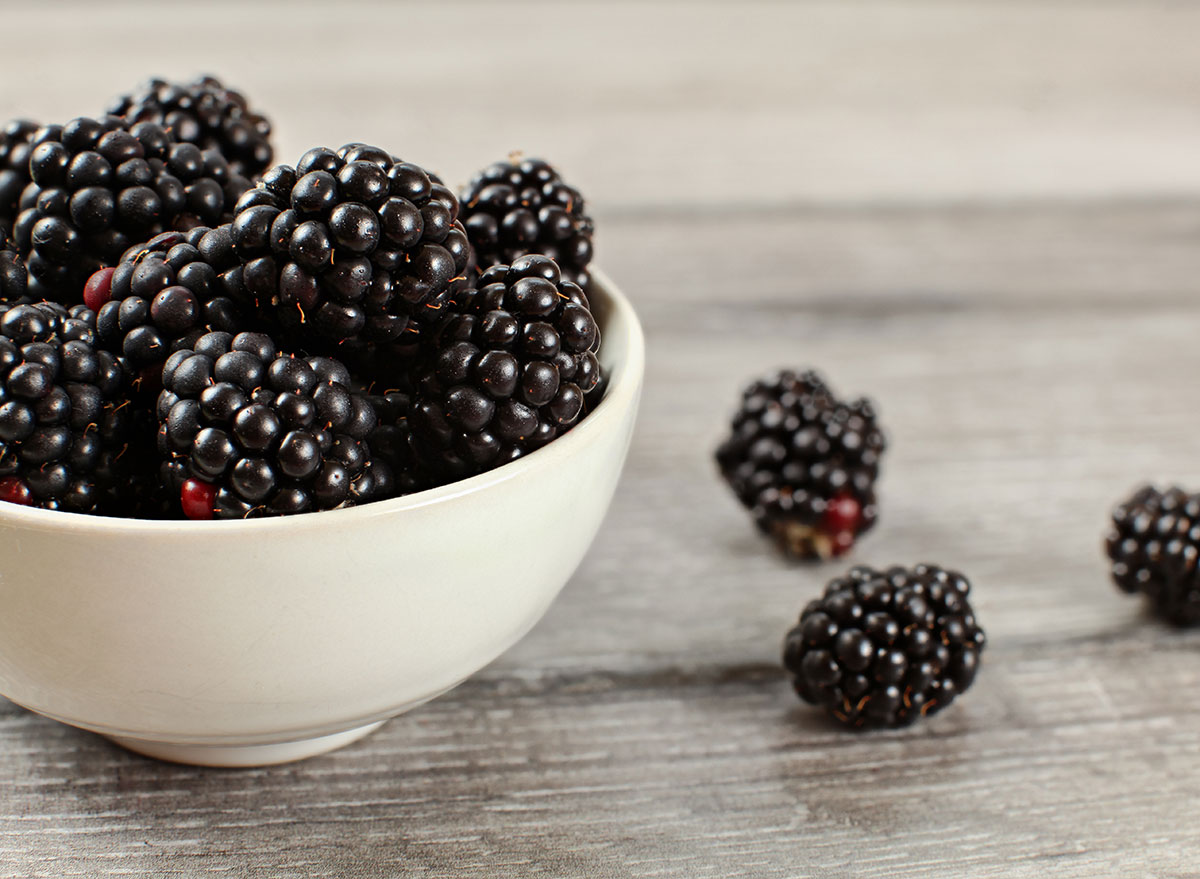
{"points": [[245, 643]]}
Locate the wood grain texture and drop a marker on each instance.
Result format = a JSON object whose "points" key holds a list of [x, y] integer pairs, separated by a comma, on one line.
{"points": [[956, 208]]}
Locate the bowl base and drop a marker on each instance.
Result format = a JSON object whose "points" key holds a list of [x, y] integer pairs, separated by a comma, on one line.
{"points": [[244, 756]]}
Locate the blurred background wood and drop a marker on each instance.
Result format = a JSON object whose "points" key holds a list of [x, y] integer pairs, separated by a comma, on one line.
{"points": [[985, 215]]}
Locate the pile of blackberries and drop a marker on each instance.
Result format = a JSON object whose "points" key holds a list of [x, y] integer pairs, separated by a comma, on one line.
{"points": [[187, 331]]}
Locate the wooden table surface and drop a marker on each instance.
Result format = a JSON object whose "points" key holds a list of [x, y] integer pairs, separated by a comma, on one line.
{"points": [[985, 215]]}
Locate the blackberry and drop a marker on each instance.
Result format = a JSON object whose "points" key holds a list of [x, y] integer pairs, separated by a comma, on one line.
{"points": [[514, 208], [350, 250], [246, 431], [1154, 547], [99, 186], [508, 371], [63, 411], [13, 277], [883, 648], [391, 441], [804, 463], [164, 295], [207, 113], [14, 169]]}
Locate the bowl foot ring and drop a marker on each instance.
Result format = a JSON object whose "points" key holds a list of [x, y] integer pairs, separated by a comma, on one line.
{"points": [[243, 756]]}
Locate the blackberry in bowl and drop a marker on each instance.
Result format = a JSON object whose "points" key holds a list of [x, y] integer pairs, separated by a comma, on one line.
{"points": [[64, 420], [248, 642], [523, 206], [207, 113], [247, 431], [100, 186], [508, 370], [350, 250]]}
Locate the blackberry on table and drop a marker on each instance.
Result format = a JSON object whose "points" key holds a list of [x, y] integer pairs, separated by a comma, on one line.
{"points": [[804, 463], [207, 113], [164, 295], [1154, 547], [246, 431], [350, 250], [15, 147], [100, 186], [508, 370], [64, 416], [518, 207], [884, 648]]}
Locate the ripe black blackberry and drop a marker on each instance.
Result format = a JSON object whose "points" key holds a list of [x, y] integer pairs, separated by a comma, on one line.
{"points": [[391, 441], [100, 186], [517, 207], [883, 648], [804, 463], [350, 250], [163, 296], [1154, 547], [246, 431], [64, 420], [207, 113], [15, 146], [13, 277], [507, 372]]}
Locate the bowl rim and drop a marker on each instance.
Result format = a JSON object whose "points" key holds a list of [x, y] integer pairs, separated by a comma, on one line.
{"points": [[623, 387]]}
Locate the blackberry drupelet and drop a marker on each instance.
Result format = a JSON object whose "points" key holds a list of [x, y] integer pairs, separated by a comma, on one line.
{"points": [[508, 372], [100, 186], [246, 431], [514, 208], [207, 113], [804, 463], [1154, 547], [350, 251], [883, 648], [15, 147], [164, 295], [64, 420]]}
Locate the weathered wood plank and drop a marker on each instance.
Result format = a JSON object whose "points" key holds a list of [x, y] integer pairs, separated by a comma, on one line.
{"points": [[698, 104]]}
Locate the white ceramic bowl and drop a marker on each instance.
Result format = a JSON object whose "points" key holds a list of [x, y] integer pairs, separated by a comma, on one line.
{"points": [[256, 642]]}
